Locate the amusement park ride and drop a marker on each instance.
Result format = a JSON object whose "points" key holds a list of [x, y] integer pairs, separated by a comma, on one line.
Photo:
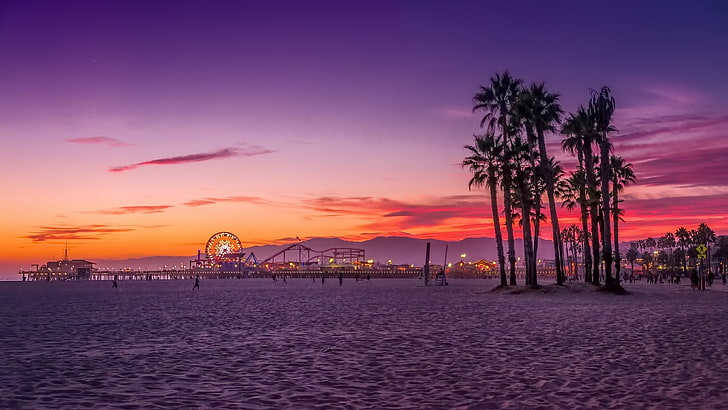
{"points": [[224, 251]]}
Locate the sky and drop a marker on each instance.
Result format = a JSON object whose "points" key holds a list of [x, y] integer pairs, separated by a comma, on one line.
{"points": [[141, 128]]}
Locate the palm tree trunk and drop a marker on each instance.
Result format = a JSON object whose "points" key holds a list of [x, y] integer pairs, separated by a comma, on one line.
{"points": [[575, 269], [586, 249], [508, 209], [555, 230], [596, 274], [617, 256], [593, 208], [606, 224], [497, 228], [527, 239], [536, 234]]}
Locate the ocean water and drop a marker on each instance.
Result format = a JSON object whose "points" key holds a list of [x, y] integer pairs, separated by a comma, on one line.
{"points": [[385, 344]]}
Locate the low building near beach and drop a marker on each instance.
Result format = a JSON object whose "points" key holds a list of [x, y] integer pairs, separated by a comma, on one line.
{"points": [[67, 269]]}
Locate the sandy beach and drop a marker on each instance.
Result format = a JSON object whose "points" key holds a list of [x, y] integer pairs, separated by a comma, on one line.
{"points": [[385, 344]]}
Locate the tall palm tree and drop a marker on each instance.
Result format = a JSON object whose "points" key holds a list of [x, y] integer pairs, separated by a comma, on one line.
{"points": [[542, 113], [601, 106], [484, 163], [497, 101], [622, 175], [580, 127], [522, 180]]}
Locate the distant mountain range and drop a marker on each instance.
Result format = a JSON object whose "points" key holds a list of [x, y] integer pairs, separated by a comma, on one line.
{"points": [[400, 250]]}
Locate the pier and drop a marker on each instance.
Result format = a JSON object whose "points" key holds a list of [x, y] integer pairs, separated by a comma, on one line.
{"points": [[173, 274]]}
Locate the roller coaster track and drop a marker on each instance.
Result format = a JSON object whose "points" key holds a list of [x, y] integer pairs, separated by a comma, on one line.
{"points": [[304, 254]]}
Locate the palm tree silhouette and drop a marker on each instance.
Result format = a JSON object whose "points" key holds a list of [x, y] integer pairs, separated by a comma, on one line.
{"points": [[542, 113], [580, 131], [684, 239], [601, 107], [498, 100], [622, 175], [484, 163]]}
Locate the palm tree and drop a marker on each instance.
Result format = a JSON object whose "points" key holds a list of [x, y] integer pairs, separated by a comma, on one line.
{"points": [[542, 113], [484, 163], [721, 242], [632, 256], [622, 175], [523, 195], [705, 236], [498, 101], [507, 170], [667, 241], [571, 235], [601, 106], [572, 192], [580, 126], [684, 239]]}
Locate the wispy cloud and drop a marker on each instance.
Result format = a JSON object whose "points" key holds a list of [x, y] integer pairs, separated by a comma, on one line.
{"points": [[98, 140], [672, 150], [200, 157], [239, 198], [141, 209], [390, 215], [83, 232]]}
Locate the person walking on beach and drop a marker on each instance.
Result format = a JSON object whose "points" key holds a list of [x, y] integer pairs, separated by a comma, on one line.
{"points": [[197, 283], [113, 283], [323, 278], [341, 278]]}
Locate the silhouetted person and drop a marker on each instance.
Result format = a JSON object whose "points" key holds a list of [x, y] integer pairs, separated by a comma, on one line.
{"points": [[369, 277], [284, 279], [341, 278], [323, 278], [197, 283], [113, 283]]}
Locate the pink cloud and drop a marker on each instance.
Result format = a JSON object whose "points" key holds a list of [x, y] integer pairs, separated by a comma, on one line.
{"points": [[98, 140], [142, 209], [239, 198], [677, 150], [389, 215], [207, 156]]}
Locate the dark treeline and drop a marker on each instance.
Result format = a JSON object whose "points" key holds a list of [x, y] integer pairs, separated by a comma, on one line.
{"points": [[509, 159], [679, 251]]}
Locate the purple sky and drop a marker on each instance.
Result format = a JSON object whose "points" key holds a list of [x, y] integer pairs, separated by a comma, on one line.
{"points": [[324, 110]]}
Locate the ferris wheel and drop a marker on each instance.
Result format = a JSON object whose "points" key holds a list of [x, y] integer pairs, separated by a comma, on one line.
{"points": [[221, 245]]}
